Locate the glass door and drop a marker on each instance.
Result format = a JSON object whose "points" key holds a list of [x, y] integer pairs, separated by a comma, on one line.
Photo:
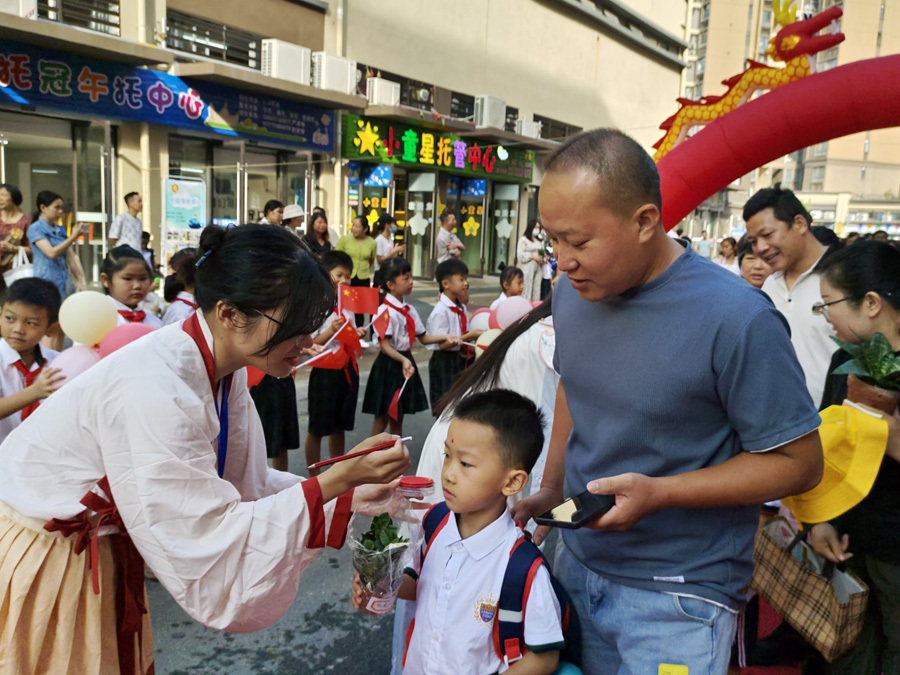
{"points": [[466, 196], [501, 227], [94, 203], [419, 223]]}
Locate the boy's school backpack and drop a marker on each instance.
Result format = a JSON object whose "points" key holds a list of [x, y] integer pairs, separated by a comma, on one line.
{"points": [[509, 625]]}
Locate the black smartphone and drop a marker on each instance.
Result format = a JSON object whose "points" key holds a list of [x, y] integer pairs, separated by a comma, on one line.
{"points": [[577, 511]]}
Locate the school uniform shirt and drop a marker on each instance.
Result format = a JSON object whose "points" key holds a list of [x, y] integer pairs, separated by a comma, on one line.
{"points": [[397, 330], [810, 334], [230, 550], [149, 319], [444, 321], [12, 381], [180, 308], [382, 248], [456, 603], [496, 302]]}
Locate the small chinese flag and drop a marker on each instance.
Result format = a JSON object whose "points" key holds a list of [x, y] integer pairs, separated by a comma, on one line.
{"points": [[382, 321], [394, 408], [359, 299], [254, 376], [349, 339]]}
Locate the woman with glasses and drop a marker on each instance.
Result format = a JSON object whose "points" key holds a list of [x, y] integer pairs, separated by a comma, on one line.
{"points": [[860, 297], [156, 456]]}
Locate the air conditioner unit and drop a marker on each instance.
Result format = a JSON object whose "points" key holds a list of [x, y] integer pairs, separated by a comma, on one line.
{"points": [[286, 61], [27, 9], [380, 91], [334, 73], [490, 112], [529, 128]]}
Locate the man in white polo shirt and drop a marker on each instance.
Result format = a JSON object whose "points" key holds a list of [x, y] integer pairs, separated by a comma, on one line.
{"points": [[127, 227], [778, 228]]}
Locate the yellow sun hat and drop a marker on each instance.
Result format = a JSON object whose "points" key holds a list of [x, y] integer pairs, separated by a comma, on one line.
{"points": [[853, 441]]}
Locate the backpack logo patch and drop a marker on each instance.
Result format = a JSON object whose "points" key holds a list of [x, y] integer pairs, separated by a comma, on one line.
{"points": [[486, 610]]}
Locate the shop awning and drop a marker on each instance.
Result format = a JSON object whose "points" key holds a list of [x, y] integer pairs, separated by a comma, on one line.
{"points": [[244, 78], [509, 139], [54, 35], [420, 118]]}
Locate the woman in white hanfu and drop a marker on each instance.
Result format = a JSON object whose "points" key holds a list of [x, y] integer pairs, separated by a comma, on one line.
{"points": [[156, 456]]}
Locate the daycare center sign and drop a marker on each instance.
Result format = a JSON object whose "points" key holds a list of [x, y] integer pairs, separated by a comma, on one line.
{"points": [[388, 142], [34, 79]]}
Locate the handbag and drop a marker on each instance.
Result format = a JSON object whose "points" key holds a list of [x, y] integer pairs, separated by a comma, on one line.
{"points": [[826, 605], [22, 268]]}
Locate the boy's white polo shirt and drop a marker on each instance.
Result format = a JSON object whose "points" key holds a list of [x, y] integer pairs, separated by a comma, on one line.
{"points": [[12, 381], [456, 602]]}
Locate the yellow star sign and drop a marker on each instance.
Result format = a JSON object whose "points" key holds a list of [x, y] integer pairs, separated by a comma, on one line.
{"points": [[372, 217], [367, 138], [471, 227]]}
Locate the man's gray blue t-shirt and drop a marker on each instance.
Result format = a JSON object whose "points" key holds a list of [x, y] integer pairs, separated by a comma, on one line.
{"points": [[676, 375]]}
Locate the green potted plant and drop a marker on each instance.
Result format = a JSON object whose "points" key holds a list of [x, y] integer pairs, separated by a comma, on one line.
{"points": [[873, 375], [379, 556]]}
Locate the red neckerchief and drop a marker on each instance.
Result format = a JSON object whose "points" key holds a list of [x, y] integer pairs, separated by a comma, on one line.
{"points": [[192, 305], [463, 327], [192, 327], [410, 321], [30, 376], [133, 317]]}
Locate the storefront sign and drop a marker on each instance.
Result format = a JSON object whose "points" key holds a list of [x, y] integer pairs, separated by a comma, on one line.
{"points": [[185, 203], [393, 143], [185, 214], [35, 79]]}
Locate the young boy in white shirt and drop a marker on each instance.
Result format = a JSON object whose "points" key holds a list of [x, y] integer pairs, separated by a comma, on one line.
{"points": [[30, 311], [449, 317], [492, 444]]}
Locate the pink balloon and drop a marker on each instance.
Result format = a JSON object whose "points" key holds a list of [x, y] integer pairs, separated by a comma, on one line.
{"points": [[493, 323], [511, 310], [121, 336], [75, 360], [483, 310]]}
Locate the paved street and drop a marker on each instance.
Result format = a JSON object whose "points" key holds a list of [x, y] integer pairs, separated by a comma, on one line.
{"points": [[321, 633]]}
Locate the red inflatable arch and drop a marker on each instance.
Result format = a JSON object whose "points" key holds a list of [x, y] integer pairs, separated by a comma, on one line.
{"points": [[859, 96]]}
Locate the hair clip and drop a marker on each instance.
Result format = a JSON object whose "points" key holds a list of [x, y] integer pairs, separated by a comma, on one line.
{"points": [[204, 257]]}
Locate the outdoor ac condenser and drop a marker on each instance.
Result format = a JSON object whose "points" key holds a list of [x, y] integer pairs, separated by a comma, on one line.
{"points": [[286, 61], [528, 128], [380, 91], [490, 112], [334, 73]]}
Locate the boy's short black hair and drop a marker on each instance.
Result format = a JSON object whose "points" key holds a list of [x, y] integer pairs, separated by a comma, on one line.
{"points": [[37, 293], [448, 268], [517, 423], [393, 268], [145, 236], [129, 196], [333, 259]]}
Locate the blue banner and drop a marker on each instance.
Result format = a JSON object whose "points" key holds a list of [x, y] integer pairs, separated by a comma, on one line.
{"points": [[34, 79]]}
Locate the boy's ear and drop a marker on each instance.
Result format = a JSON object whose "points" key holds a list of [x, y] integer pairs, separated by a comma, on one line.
{"points": [[516, 480], [52, 329]]}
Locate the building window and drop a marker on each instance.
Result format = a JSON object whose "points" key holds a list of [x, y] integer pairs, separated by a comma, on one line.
{"points": [[194, 35], [101, 16], [512, 116], [462, 106], [556, 130], [820, 149], [817, 178]]}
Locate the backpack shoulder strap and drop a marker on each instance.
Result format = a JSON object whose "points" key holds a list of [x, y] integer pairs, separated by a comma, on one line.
{"points": [[509, 628], [435, 519]]}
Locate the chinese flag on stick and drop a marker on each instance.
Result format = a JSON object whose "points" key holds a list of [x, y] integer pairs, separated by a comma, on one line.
{"points": [[394, 408], [358, 299], [381, 321]]}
